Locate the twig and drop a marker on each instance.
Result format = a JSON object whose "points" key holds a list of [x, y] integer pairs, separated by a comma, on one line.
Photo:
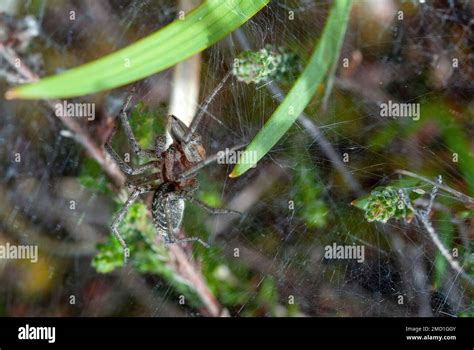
{"points": [[422, 216], [463, 230], [191, 273], [444, 251], [80, 135], [457, 194], [311, 129]]}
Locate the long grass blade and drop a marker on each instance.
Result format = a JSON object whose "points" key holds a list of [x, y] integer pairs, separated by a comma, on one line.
{"points": [[174, 43], [326, 52]]}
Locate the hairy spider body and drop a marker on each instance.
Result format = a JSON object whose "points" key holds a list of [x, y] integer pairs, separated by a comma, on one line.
{"points": [[158, 210], [169, 174]]}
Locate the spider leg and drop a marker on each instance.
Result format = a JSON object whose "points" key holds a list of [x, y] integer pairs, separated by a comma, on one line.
{"points": [[160, 144], [128, 131], [213, 211], [197, 119], [133, 143], [150, 179], [196, 167], [171, 238], [120, 216], [127, 169], [131, 138], [191, 239], [118, 219]]}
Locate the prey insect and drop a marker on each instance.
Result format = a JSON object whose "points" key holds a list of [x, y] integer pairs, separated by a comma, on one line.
{"points": [[170, 173]]}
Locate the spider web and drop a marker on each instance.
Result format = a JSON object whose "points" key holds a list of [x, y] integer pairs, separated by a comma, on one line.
{"points": [[296, 202]]}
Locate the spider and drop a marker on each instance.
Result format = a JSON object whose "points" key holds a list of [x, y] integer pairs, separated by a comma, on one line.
{"points": [[175, 181]]}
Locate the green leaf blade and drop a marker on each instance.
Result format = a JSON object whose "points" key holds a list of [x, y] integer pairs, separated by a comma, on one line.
{"points": [[172, 44], [326, 51]]}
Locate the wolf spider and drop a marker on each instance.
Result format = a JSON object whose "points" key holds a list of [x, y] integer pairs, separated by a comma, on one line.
{"points": [[173, 184]]}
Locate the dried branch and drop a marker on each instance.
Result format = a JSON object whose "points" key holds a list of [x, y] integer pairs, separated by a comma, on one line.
{"points": [[444, 251], [422, 216], [463, 197], [190, 272]]}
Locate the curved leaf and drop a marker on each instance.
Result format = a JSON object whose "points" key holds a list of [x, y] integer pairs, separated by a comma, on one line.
{"points": [[325, 54]]}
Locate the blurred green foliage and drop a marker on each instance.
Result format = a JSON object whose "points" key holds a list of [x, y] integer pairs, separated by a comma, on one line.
{"points": [[310, 206], [451, 130], [92, 176], [469, 312], [146, 124]]}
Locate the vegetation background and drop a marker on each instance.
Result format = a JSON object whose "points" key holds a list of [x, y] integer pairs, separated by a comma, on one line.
{"points": [[296, 201]]}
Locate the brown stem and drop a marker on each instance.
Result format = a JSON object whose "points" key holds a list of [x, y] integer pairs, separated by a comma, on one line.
{"points": [[191, 273]]}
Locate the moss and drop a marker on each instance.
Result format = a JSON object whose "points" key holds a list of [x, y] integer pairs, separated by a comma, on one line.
{"points": [[269, 63]]}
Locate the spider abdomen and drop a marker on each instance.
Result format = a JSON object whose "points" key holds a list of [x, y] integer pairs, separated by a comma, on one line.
{"points": [[159, 207]]}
